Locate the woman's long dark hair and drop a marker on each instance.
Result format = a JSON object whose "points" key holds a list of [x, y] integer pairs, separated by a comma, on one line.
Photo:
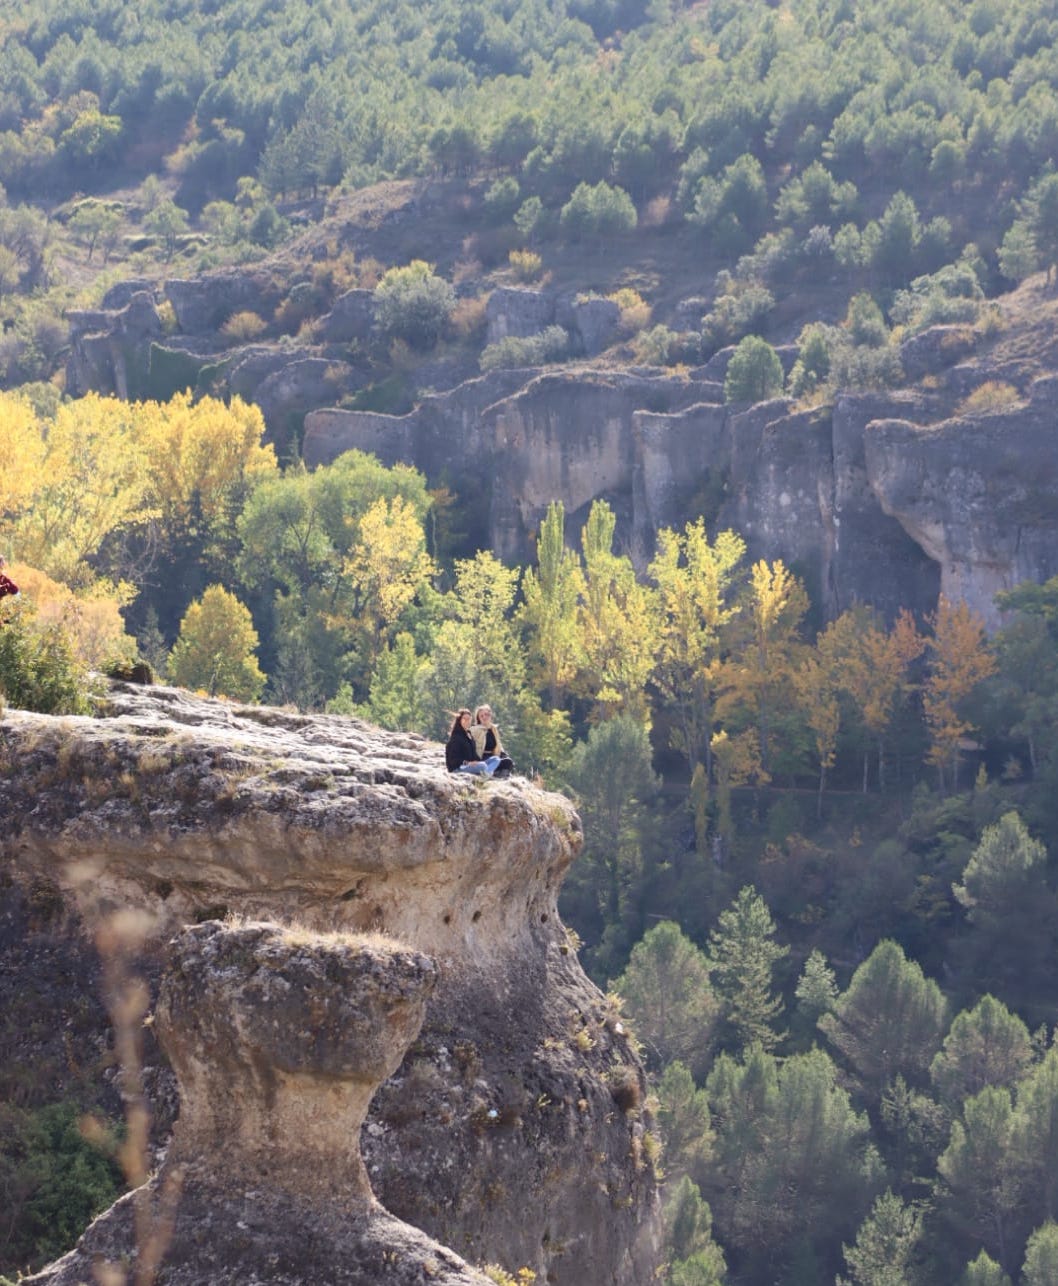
{"points": [[455, 725]]}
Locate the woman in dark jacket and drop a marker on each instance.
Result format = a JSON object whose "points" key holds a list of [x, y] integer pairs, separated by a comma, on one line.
{"points": [[461, 755]]}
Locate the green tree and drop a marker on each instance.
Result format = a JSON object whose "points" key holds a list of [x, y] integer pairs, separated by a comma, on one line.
{"points": [[1041, 1257], [754, 373], [987, 1045], [412, 303], [980, 1183], [549, 608], [395, 697], [1041, 216], [668, 997], [886, 1245], [169, 223], [742, 960], [793, 1165], [612, 776], [816, 992], [683, 1114], [694, 1258], [984, 1271], [596, 211], [889, 1021], [215, 648], [1005, 883]]}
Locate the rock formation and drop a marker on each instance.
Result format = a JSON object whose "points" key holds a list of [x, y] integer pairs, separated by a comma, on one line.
{"points": [[514, 1131], [278, 1038]]}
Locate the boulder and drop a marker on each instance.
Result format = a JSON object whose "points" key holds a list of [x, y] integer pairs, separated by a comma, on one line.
{"points": [[351, 318], [518, 313]]}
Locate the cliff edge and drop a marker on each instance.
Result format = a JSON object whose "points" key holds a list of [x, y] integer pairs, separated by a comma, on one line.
{"points": [[513, 1131]]}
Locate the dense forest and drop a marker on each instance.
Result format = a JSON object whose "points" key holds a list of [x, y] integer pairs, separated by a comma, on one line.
{"points": [[821, 861]]}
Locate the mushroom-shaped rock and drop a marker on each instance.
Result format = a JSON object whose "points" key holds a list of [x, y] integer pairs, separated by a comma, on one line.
{"points": [[279, 1038]]}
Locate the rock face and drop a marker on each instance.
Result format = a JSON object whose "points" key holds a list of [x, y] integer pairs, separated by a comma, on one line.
{"points": [[659, 449], [979, 495], [110, 347], [278, 1040], [514, 1129]]}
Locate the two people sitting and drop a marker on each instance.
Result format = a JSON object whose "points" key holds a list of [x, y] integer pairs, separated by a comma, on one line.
{"points": [[474, 747]]}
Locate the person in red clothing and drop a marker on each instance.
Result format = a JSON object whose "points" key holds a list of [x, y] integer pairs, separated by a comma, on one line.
{"points": [[7, 585]]}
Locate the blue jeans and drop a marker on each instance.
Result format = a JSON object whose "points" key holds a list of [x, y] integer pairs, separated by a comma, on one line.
{"points": [[482, 768]]}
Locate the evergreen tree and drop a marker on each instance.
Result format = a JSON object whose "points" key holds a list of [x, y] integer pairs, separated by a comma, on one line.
{"points": [[889, 1021], [668, 997], [742, 959]]}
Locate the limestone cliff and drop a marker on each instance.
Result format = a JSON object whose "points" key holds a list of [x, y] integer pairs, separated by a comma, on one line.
{"points": [[514, 1129]]}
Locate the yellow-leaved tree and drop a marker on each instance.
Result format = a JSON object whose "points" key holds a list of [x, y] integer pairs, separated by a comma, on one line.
{"points": [[21, 455], [91, 482], [696, 602], [615, 622], [959, 661], [385, 570], [201, 458], [91, 618], [215, 650], [765, 650], [873, 666]]}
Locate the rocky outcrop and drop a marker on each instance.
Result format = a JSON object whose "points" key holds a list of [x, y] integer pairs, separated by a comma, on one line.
{"points": [[351, 318], [513, 312], [979, 494], [203, 304], [278, 1039], [514, 1131], [110, 347]]}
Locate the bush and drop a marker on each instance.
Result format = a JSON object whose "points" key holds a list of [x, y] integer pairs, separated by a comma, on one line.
{"points": [[550, 345], [991, 396], [525, 264], [413, 304], [244, 326], [38, 668], [597, 210], [635, 311], [754, 373], [662, 346]]}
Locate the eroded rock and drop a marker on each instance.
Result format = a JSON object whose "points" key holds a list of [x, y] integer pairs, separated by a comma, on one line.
{"points": [[515, 1129], [278, 1038]]}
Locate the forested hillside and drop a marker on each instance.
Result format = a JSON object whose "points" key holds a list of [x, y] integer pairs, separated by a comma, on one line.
{"points": [[821, 860]]}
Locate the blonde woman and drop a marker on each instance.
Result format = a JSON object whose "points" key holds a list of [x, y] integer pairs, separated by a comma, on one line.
{"points": [[487, 742]]}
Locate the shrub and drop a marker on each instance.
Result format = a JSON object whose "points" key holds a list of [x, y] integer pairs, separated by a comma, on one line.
{"points": [[525, 264], [38, 668], [754, 373], [635, 311], [244, 326], [550, 345], [414, 304], [994, 395], [468, 317], [662, 346], [502, 199]]}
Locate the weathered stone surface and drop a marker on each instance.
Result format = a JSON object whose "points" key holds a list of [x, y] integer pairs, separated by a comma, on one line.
{"points": [[501, 1134], [515, 312], [351, 318], [935, 349], [278, 1039], [300, 385], [979, 495], [203, 304], [109, 349], [595, 323]]}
